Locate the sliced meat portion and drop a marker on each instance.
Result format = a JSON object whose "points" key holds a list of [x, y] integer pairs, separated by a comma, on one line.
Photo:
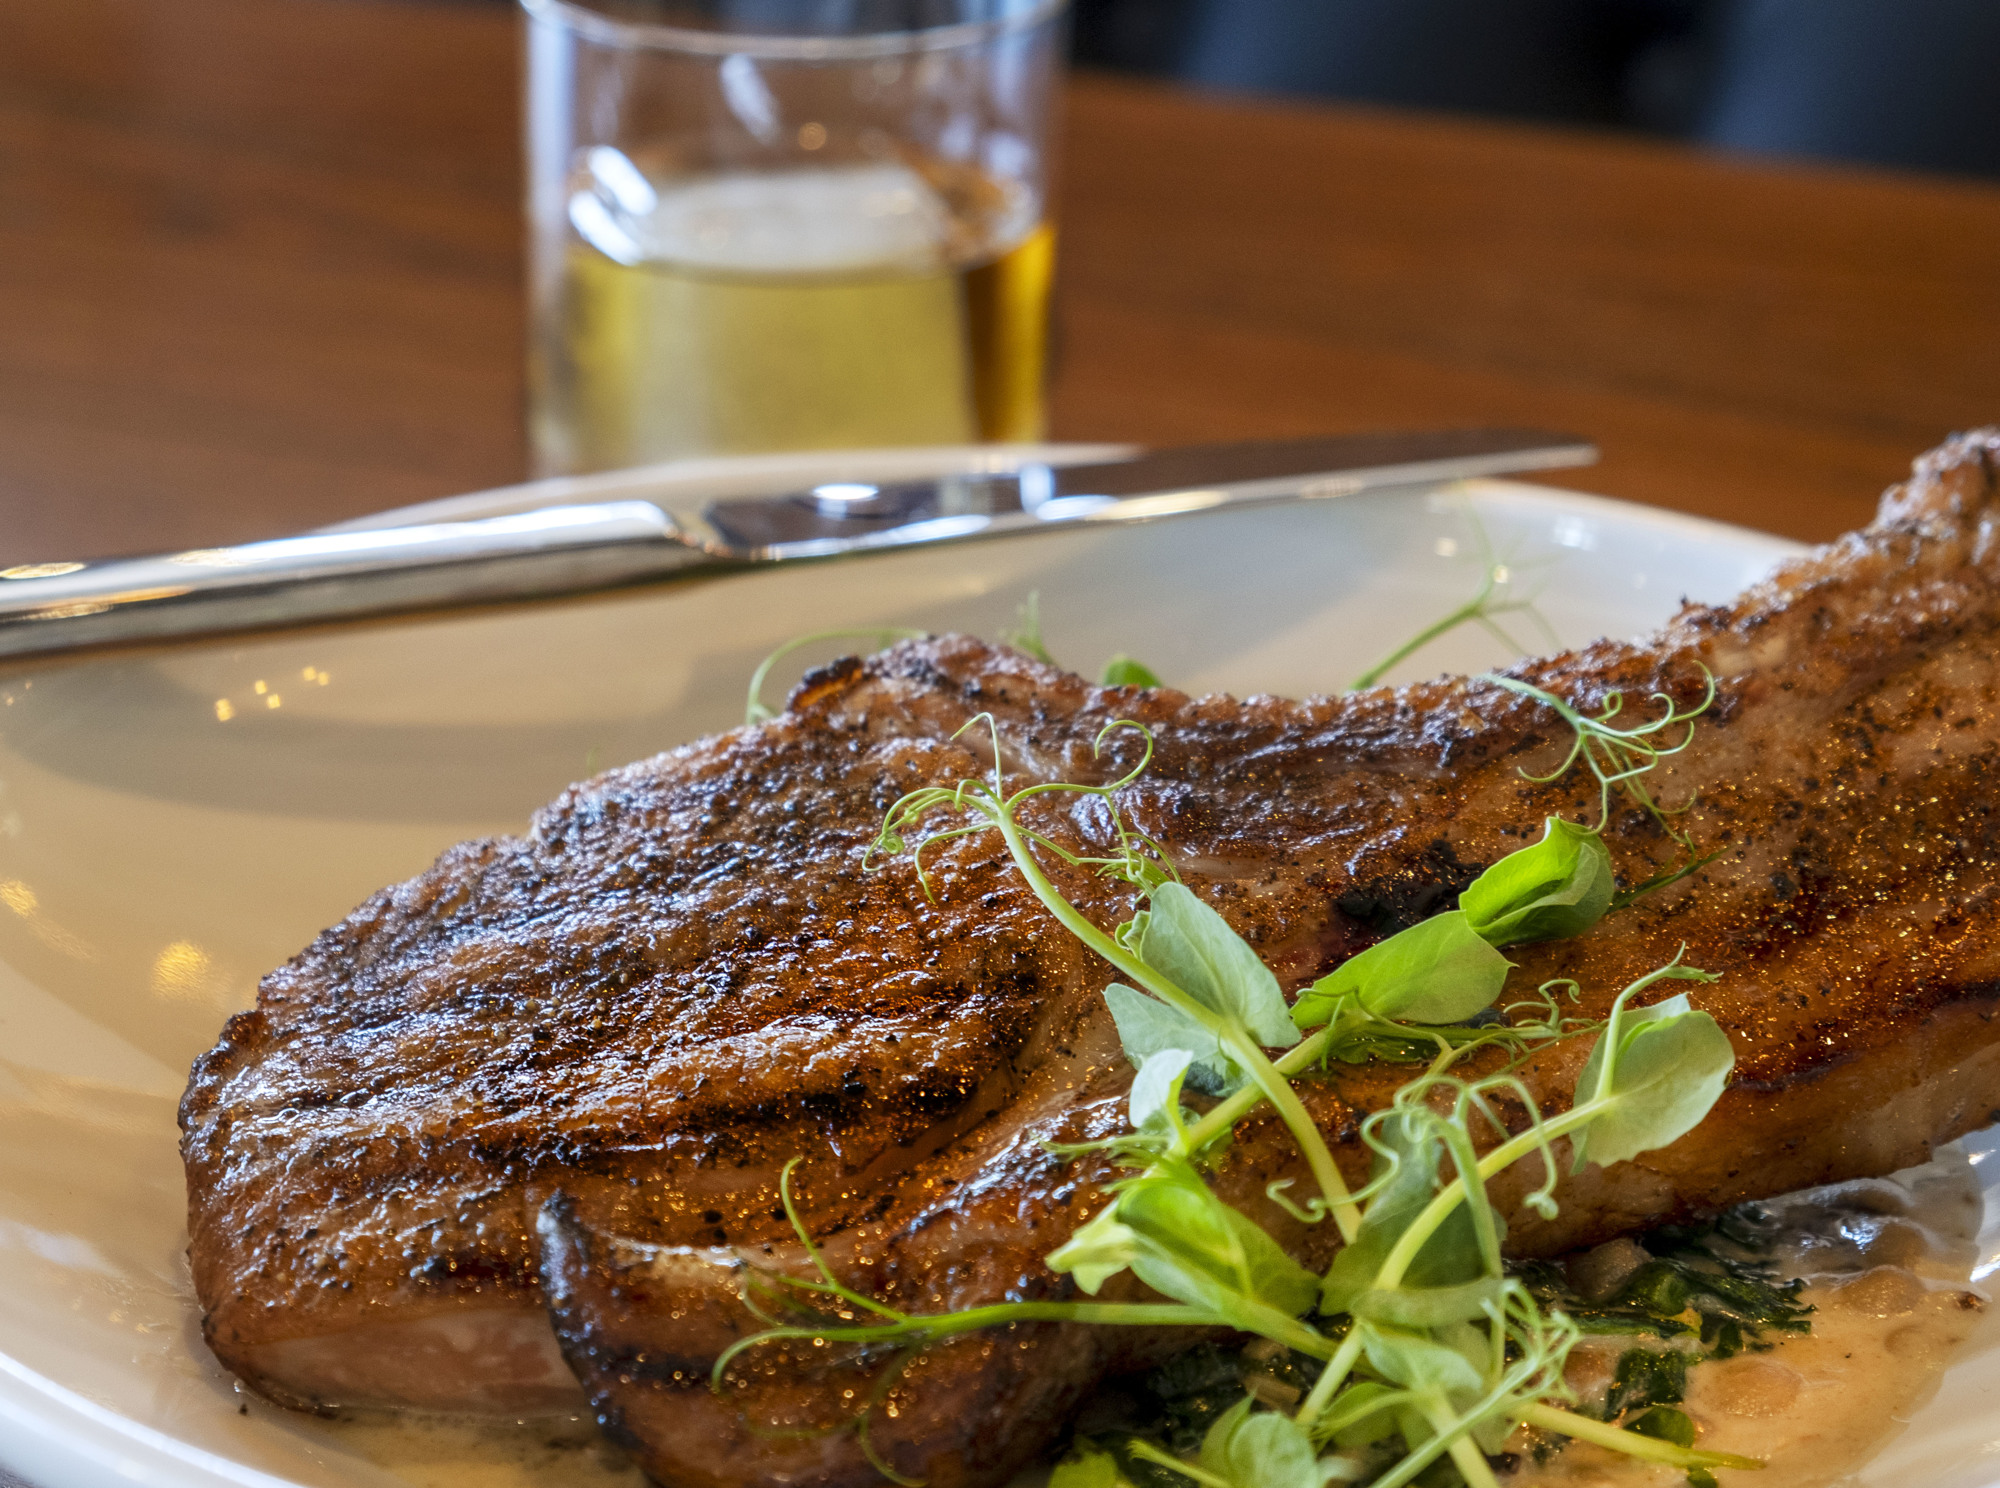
{"points": [[566, 1070]]}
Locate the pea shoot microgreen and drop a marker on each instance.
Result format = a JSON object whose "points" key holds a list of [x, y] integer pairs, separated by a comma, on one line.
{"points": [[1421, 1343], [1026, 634], [1494, 598], [1125, 671]]}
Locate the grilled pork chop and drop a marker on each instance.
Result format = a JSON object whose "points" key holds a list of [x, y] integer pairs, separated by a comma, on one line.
{"points": [[558, 1076]]}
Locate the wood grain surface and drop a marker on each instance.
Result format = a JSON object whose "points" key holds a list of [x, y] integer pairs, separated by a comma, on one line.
{"points": [[260, 269]]}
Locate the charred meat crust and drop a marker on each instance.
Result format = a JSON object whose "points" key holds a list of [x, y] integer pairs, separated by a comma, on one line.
{"points": [[557, 1063]]}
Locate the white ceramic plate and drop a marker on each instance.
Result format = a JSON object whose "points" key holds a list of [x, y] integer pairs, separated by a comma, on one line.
{"points": [[173, 824]]}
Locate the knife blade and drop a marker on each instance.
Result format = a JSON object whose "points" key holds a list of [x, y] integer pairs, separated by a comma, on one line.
{"points": [[567, 549]]}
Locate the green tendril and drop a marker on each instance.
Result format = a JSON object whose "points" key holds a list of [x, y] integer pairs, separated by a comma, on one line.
{"points": [[1620, 758], [755, 710]]}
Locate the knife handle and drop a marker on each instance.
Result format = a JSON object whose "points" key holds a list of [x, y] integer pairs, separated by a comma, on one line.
{"points": [[323, 576]]}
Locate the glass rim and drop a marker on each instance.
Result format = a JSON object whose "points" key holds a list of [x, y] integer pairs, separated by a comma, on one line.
{"points": [[594, 25]]}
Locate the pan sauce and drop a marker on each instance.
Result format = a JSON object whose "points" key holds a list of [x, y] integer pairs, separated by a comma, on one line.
{"points": [[1886, 1262]]}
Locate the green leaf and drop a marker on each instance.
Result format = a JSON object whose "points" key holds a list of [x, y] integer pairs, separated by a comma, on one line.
{"points": [[1418, 1362], [1190, 944], [1146, 1027], [1088, 1467], [1449, 1259], [1175, 1235], [1096, 1251], [1132, 934], [1123, 671], [1194, 1248], [1262, 1450], [1557, 888], [1427, 1307], [1156, 1092], [1661, 1068], [1437, 971], [1362, 1413]]}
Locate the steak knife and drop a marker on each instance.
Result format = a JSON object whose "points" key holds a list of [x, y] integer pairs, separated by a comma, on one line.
{"points": [[566, 549]]}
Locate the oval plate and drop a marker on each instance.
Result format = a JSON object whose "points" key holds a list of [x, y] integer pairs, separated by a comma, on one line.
{"points": [[175, 822]]}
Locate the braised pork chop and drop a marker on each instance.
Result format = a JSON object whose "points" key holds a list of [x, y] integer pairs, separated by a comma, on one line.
{"points": [[560, 1074]]}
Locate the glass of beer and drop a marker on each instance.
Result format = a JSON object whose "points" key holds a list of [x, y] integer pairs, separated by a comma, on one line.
{"points": [[786, 224]]}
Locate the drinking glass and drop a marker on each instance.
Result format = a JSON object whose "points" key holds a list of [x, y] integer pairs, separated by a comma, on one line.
{"points": [[786, 224]]}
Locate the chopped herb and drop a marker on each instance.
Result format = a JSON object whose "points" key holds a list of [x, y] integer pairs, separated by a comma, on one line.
{"points": [[1711, 1283], [1647, 1377], [1192, 1391], [1664, 1423]]}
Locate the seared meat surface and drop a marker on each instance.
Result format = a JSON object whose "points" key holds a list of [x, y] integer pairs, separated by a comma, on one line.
{"points": [[559, 1075]]}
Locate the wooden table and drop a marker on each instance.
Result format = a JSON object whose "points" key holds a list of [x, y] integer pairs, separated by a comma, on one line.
{"points": [[260, 269]]}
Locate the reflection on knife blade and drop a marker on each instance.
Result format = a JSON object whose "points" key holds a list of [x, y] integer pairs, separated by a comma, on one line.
{"points": [[571, 548]]}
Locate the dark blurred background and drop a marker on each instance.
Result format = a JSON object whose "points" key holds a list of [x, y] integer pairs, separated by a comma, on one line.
{"points": [[1908, 83]]}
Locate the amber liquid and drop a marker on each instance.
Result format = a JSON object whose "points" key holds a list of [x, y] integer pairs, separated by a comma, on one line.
{"points": [[702, 339]]}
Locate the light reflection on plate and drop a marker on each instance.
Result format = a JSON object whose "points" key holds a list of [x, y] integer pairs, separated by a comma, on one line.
{"points": [[174, 823]]}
